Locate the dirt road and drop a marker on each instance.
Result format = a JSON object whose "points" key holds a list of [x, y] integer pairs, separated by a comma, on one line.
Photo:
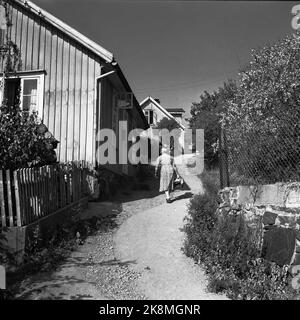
{"points": [[153, 240], [139, 257]]}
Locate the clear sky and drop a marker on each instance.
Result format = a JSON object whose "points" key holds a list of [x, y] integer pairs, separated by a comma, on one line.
{"points": [[174, 50]]}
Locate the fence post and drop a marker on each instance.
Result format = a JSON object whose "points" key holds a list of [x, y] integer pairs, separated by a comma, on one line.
{"points": [[2, 203], [223, 159], [9, 199], [17, 196]]}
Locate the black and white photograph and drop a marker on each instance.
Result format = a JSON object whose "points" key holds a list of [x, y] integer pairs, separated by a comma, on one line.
{"points": [[149, 153]]}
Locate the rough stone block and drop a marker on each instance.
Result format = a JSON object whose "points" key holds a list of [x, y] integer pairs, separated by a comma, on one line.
{"points": [[296, 260], [297, 246], [224, 195], [270, 194], [269, 218], [293, 197], [246, 194], [279, 245], [287, 220]]}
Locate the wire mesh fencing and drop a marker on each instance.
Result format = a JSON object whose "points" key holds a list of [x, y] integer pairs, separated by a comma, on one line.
{"points": [[267, 152]]}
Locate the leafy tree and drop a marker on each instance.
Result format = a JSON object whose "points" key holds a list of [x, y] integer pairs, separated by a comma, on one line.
{"points": [[166, 123], [205, 114], [170, 124], [262, 119]]}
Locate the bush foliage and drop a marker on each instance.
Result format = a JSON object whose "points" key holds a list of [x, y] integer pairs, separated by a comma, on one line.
{"points": [[229, 250], [260, 115], [24, 140], [262, 120]]}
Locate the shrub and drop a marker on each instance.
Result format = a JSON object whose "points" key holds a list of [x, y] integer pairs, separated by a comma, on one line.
{"points": [[24, 141], [230, 250]]}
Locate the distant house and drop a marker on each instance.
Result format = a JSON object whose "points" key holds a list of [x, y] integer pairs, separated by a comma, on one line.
{"points": [[154, 112], [177, 113], [74, 84]]}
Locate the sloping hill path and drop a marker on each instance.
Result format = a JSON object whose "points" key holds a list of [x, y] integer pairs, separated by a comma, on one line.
{"points": [[153, 239], [137, 255]]}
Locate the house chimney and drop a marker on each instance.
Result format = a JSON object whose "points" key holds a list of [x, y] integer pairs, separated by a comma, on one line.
{"points": [[157, 100]]}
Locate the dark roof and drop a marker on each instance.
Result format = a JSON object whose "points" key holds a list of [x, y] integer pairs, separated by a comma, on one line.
{"points": [[174, 110]]}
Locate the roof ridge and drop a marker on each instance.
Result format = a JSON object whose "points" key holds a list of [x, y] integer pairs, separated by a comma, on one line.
{"points": [[65, 28], [161, 107]]}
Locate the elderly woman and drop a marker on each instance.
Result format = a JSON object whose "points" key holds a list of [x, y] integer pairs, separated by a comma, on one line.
{"points": [[167, 169]]}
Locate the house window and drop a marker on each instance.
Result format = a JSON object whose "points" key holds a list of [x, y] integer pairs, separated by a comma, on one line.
{"points": [[151, 116], [3, 25], [2, 37], [31, 93]]}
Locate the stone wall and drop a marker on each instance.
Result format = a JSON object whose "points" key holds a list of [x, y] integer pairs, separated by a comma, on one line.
{"points": [[275, 209]]}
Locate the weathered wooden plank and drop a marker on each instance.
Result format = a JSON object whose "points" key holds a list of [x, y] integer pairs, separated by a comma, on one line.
{"points": [[96, 108], [9, 199], [14, 26], [74, 182], [83, 107], [23, 39], [90, 140], [58, 92], [47, 64], [31, 194], [30, 197], [53, 70], [60, 186], [69, 190], [35, 45], [79, 181], [56, 182], [44, 194], [57, 186], [28, 55], [71, 104], [25, 196], [77, 103], [38, 190], [63, 186], [50, 186], [17, 197], [53, 189], [34, 192], [65, 99], [22, 197], [2, 202], [48, 192], [41, 47]]}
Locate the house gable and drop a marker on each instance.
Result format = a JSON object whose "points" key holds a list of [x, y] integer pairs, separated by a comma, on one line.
{"points": [[151, 104]]}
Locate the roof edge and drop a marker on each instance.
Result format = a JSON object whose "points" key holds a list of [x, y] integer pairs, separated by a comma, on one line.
{"points": [[74, 34], [162, 109]]}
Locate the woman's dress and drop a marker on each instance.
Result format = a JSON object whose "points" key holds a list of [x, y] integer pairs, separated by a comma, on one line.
{"points": [[166, 172]]}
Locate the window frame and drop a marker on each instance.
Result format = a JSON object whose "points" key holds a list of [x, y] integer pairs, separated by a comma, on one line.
{"points": [[40, 92], [33, 75], [148, 116]]}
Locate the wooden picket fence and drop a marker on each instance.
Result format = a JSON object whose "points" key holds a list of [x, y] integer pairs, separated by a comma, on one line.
{"points": [[28, 194]]}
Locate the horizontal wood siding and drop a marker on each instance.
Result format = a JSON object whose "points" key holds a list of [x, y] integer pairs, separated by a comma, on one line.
{"points": [[69, 89]]}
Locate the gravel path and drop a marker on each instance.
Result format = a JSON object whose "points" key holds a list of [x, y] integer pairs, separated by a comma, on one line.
{"points": [[136, 254], [153, 239]]}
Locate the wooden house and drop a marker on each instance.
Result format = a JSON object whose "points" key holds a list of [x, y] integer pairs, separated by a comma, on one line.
{"points": [[155, 112], [72, 82]]}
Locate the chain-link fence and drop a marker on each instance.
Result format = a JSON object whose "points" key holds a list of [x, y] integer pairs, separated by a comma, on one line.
{"points": [[265, 153]]}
